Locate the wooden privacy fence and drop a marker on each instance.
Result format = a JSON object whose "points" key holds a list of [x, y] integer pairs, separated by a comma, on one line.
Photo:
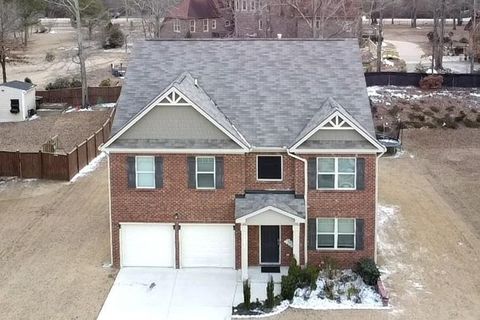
{"points": [[73, 96], [450, 80], [44, 165]]}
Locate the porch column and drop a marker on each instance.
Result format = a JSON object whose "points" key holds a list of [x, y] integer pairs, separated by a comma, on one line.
{"points": [[296, 242], [244, 245]]}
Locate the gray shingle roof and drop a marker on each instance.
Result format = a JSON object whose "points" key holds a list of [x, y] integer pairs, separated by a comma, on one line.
{"points": [[25, 86], [256, 201], [268, 89], [175, 143]]}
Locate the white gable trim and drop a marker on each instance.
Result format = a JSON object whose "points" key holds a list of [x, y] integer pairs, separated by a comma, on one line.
{"points": [[156, 102], [347, 119], [295, 218]]}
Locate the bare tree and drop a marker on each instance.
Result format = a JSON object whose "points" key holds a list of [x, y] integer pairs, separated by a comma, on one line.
{"points": [[339, 15], [74, 8], [153, 13], [8, 25]]}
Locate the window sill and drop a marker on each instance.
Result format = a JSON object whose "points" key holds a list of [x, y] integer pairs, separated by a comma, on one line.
{"points": [[335, 250], [337, 190]]}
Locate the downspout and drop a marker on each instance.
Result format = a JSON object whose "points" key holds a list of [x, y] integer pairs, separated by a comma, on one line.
{"points": [[305, 197], [376, 203]]}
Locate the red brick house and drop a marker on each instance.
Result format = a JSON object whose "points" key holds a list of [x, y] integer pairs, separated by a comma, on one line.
{"points": [[243, 153], [197, 19]]}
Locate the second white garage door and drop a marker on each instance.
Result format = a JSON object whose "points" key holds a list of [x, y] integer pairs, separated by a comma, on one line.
{"points": [[205, 245]]}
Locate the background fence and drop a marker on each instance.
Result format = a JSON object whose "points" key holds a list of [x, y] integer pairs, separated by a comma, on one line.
{"points": [[451, 80], [73, 96], [44, 165]]}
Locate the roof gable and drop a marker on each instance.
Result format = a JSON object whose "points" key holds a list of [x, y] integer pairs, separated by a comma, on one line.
{"points": [[20, 85], [338, 125], [184, 94], [199, 9]]}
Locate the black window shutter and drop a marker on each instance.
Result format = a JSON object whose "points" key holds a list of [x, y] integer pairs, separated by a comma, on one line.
{"points": [[312, 234], [360, 174], [131, 172], [191, 164], [158, 172], [312, 173], [219, 173], [359, 234]]}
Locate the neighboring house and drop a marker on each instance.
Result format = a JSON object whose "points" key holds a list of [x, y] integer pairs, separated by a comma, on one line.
{"points": [[243, 153], [17, 98], [197, 19]]}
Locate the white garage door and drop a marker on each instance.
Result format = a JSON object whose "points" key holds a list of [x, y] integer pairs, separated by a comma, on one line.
{"points": [[207, 246], [147, 245]]}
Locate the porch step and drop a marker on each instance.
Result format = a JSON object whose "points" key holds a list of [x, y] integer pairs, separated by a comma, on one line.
{"points": [[270, 269]]}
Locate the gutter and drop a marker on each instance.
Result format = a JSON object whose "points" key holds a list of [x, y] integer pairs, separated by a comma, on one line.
{"points": [[305, 196], [376, 204]]}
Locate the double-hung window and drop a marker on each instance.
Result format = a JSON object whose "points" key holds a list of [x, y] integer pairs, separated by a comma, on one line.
{"points": [[205, 25], [214, 24], [335, 233], [14, 105], [192, 25], [176, 25], [336, 173], [145, 172], [205, 172]]}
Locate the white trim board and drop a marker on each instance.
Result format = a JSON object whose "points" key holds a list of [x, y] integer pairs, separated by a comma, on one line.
{"points": [[157, 102], [270, 208]]}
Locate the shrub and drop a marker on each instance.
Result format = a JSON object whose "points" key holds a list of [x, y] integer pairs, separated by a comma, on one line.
{"points": [[471, 123], [351, 292], [309, 276], [330, 267], [394, 110], [246, 294], [28, 80], [431, 82], [368, 270], [61, 83], [50, 56], [270, 302], [435, 109], [106, 83], [289, 285], [113, 37]]}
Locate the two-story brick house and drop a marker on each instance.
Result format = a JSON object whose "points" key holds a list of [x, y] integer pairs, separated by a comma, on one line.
{"points": [[243, 153], [197, 19]]}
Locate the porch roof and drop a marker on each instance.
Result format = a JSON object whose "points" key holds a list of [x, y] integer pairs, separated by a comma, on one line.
{"points": [[255, 201]]}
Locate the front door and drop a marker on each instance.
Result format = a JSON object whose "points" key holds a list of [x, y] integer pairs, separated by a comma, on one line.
{"points": [[270, 244]]}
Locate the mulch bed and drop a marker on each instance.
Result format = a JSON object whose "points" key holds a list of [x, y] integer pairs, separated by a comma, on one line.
{"points": [[72, 129]]}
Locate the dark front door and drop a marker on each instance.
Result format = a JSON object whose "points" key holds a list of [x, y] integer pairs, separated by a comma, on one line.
{"points": [[270, 244]]}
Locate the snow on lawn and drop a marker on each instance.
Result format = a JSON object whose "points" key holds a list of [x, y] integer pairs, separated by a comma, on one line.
{"points": [[349, 292], [380, 93], [90, 167]]}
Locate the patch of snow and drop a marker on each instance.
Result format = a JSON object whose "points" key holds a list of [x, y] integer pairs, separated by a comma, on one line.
{"points": [[52, 32], [89, 168], [278, 309], [106, 105], [35, 116], [474, 94], [316, 299]]}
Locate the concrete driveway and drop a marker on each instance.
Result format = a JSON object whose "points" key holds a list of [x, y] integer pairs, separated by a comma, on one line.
{"points": [[155, 293]]}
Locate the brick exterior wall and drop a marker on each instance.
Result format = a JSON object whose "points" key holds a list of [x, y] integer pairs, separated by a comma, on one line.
{"points": [[219, 32], [217, 206], [347, 204]]}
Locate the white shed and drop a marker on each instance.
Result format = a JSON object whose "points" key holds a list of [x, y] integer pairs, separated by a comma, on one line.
{"points": [[16, 99]]}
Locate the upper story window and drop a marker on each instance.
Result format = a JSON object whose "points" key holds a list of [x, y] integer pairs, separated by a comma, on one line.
{"points": [[244, 5], [252, 5], [214, 24], [269, 168], [176, 25], [205, 172], [192, 25], [145, 172], [227, 23], [205, 25], [336, 173], [14, 106], [260, 24], [335, 233]]}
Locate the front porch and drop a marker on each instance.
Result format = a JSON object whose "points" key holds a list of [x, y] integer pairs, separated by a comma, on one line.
{"points": [[271, 232]]}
